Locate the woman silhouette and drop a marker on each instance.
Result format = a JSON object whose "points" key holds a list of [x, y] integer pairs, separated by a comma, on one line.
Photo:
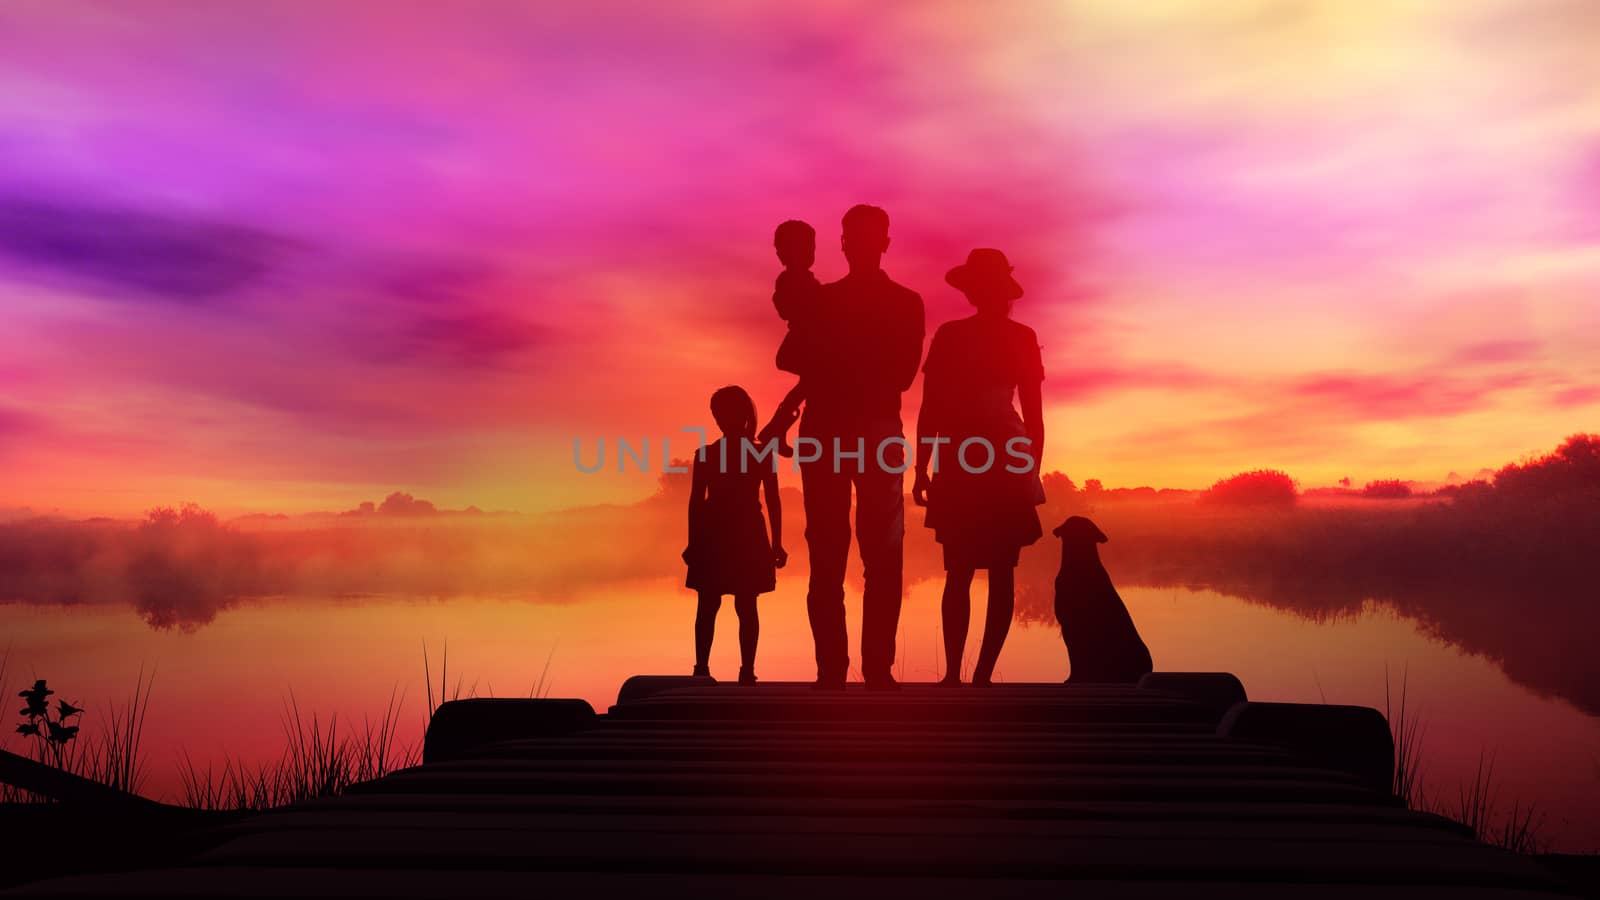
{"points": [[980, 509]]}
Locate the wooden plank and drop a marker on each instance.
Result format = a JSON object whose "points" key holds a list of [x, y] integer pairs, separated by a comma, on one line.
{"points": [[1452, 862], [422, 884], [883, 769], [712, 824], [879, 712], [953, 789], [992, 809], [49, 781], [690, 745]]}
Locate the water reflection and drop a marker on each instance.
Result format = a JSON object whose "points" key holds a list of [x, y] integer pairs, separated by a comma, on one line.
{"points": [[1508, 581], [345, 656]]}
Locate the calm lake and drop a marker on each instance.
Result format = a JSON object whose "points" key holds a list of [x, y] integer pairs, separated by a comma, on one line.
{"points": [[221, 689]]}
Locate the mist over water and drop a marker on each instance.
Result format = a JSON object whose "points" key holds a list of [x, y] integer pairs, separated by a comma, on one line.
{"points": [[1476, 601]]}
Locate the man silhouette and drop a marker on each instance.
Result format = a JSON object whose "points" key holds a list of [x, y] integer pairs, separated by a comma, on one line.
{"points": [[862, 354]]}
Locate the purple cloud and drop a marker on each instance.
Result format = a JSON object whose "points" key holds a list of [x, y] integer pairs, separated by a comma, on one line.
{"points": [[134, 253]]}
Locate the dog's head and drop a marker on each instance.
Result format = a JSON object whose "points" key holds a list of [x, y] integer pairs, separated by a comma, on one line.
{"points": [[1079, 530]]}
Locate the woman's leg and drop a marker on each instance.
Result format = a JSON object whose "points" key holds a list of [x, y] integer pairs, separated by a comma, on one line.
{"points": [[956, 609], [749, 631], [705, 624], [997, 621]]}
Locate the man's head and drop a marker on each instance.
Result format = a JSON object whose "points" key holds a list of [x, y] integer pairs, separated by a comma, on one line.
{"points": [[865, 237], [796, 243]]}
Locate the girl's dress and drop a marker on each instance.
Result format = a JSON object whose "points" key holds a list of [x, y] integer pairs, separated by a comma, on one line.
{"points": [[729, 552], [974, 366]]}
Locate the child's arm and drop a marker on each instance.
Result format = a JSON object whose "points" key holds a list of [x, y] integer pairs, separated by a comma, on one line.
{"points": [[769, 487]]}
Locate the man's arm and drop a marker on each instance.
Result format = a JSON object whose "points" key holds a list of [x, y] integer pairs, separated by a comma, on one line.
{"points": [[769, 487], [906, 351], [927, 430]]}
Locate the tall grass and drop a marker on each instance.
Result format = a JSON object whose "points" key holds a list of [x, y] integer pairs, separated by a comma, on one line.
{"points": [[541, 688], [444, 695], [318, 760], [1517, 831], [446, 692], [1407, 729], [114, 757]]}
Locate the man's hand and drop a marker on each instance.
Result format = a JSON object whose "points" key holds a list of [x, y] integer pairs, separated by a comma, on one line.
{"points": [[919, 488], [780, 556]]}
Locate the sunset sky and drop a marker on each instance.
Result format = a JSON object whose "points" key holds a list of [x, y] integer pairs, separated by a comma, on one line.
{"points": [[293, 256]]}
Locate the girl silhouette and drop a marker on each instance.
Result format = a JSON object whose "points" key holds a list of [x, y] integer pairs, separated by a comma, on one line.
{"points": [[728, 550], [982, 513]]}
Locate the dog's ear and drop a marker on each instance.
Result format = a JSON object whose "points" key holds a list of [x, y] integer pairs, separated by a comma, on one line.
{"points": [[1080, 528]]}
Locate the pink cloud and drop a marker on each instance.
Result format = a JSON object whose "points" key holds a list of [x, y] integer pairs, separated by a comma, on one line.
{"points": [[1577, 396], [1081, 383], [1499, 351], [1375, 396]]}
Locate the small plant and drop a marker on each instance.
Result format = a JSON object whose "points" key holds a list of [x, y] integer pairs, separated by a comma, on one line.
{"points": [[54, 737]]}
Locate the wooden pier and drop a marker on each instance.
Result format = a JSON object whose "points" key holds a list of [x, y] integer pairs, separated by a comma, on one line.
{"points": [[688, 788]]}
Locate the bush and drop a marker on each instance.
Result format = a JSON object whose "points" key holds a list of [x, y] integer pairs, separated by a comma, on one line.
{"points": [[1573, 469], [184, 565], [1262, 487], [1387, 489]]}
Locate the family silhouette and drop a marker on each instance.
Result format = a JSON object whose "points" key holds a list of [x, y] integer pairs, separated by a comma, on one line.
{"points": [[856, 346]]}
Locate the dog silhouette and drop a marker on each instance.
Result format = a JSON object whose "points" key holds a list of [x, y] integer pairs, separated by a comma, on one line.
{"points": [[1102, 642]]}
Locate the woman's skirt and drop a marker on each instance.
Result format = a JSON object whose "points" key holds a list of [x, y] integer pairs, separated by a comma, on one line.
{"points": [[983, 519]]}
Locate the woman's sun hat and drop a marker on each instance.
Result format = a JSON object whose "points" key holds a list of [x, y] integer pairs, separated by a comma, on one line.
{"points": [[985, 268]]}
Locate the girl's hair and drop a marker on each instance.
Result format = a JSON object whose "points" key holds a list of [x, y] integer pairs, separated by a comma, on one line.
{"points": [[734, 402]]}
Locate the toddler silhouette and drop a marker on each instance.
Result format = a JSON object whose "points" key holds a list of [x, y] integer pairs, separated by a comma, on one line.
{"points": [[794, 295]]}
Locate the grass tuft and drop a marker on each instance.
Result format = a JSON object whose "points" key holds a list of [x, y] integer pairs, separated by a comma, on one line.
{"points": [[1408, 730], [115, 758], [1518, 831], [318, 760]]}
